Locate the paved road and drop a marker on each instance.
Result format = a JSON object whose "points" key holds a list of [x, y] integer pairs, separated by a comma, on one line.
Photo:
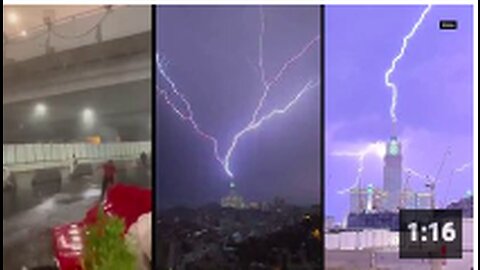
{"points": [[28, 218]]}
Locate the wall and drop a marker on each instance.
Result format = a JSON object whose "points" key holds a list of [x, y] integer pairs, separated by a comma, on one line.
{"points": [[378, 238], [365, 239]]}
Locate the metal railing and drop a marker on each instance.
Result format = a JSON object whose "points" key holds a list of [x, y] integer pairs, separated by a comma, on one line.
{"points": [[100, 24], [14, 154]]}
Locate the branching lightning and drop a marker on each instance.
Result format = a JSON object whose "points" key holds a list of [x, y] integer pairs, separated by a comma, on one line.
{"points": [[186, 113], [377, 148], [398, 57], [460, 169], [188, 116]]}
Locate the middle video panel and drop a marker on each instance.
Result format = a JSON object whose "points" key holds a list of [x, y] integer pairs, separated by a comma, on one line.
{"points": [[238, 147]]}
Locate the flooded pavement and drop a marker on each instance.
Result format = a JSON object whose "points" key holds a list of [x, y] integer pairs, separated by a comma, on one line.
{"points": [[29, 215]]}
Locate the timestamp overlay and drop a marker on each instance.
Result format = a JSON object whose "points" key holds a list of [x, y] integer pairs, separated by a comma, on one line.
{"points": [[430, 234]]}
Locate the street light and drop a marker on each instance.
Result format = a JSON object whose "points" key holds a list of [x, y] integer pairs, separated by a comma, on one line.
{"points": [[88, 116], [40, 110]]}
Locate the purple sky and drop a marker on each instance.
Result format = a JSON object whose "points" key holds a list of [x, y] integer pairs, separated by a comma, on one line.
{"points": [[212, 53], [435, 82]]}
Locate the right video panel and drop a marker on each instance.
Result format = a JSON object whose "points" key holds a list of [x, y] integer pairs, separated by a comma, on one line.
{"points": [[399, 137]]}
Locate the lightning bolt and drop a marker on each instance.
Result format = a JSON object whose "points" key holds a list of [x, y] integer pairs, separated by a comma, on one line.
{"points": [[377, 148], [398, 57], [463, 167], [373, 147], [185, 112], [460, 169], [187, 116]]}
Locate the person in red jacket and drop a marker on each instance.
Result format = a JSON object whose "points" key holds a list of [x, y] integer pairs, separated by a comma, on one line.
{"points": [[109, 173]]}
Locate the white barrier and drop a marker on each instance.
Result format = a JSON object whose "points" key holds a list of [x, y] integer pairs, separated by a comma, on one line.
{"points": [[349, 240], [332, 241], [366, 239], [467, 231], [14, 154]]}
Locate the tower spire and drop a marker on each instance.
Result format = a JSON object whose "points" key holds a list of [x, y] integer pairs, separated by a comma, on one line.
{"points": [[394, 130]]}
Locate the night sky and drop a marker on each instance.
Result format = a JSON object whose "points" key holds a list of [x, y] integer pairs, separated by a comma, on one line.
{"points": [[212, 55], [435, 81]]}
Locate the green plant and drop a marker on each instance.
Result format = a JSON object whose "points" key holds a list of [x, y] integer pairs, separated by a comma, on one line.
{"points": [[105, 246]]}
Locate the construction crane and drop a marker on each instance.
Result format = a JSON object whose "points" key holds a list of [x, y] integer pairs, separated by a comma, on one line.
{"points": [[431, 184]]}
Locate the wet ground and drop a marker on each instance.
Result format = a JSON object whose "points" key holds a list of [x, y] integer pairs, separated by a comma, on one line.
{"points": [[28, 216]]}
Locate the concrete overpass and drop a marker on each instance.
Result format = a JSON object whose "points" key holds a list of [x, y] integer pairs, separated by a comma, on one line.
{"points": [[108, 71]]}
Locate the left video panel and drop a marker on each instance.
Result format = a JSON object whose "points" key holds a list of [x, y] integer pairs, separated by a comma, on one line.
{"points": [[77, 103]]}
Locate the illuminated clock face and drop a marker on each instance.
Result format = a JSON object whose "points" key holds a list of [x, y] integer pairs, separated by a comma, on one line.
{"points": [[394, 148]]}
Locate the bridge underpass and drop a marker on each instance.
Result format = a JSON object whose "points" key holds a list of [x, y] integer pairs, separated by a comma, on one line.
{"points": [[121, 112]]}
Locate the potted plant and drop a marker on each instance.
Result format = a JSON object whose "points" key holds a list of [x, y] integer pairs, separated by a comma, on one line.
{"points": [[105, 247]]}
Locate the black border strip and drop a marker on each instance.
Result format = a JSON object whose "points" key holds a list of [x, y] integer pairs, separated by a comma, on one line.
{"points": [[154, 133], [322, 129]]}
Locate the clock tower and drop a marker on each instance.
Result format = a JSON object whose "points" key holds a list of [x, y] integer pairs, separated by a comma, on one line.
{"points": [[392, 174]]}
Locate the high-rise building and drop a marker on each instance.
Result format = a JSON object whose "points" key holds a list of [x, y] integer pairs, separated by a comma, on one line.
{"points": [[423, 200], [358, 200], [233, 200], [367, 200], [392, 175], [378, 201], [408, 199]]}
